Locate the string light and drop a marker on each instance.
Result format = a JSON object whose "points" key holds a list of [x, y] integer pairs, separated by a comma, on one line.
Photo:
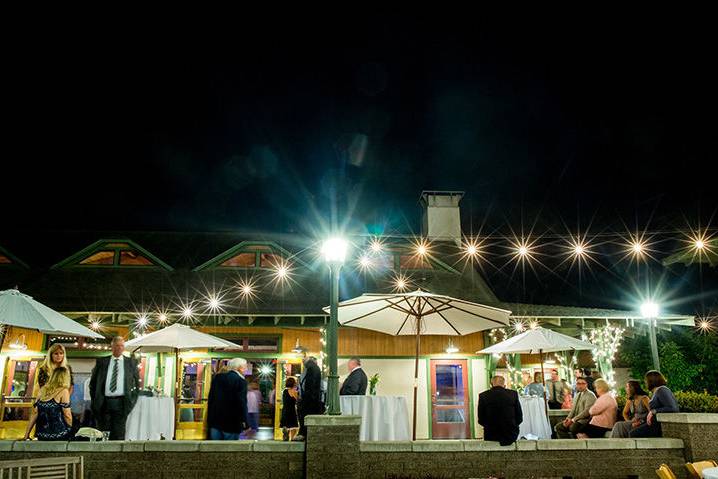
{"points": [[607, 340], [400, 283], [282, 273], [365, 263], [162, 318], [519, 326], [533, 324], [376, 245], [95, 325], [142, 321], [187, 312], [214, 303], [705, 325], [246, 289]]}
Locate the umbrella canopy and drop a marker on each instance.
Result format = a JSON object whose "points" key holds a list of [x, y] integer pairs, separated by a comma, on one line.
{"points": [[419, 313], [176, 337], [17, 309], [538, 340], [397, 314]]}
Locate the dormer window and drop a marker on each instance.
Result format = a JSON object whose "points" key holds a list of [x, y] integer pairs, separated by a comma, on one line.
{"points": [[248, 255], [113, 254]]}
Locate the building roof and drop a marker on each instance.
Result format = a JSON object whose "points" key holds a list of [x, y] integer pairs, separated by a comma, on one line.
{"points": [[189, 276]]}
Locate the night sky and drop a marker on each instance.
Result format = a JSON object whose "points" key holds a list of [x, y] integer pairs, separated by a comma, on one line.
{"points": [[277, 124]]}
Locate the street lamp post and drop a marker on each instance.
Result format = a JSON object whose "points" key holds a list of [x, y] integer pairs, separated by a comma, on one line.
{"points": [[334, 251], [649, 310]]}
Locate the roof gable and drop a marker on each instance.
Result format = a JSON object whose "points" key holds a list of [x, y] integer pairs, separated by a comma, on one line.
{"points": [[113, 253]]}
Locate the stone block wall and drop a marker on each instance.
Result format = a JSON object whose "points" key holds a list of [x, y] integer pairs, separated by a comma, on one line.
{"points": [[333, 447], [171, 459], [543, 459], [699, 433]]}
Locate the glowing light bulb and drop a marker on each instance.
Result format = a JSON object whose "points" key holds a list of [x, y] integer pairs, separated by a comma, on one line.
{"points": [[523, 250], [213, 303], [421, 250], [95, 325], [187, 312], [472, 250], [281, 272], [142, 321], [376, 246], [579, 250], [637, 247], [365, 262], [162, 318], [700, 244]]}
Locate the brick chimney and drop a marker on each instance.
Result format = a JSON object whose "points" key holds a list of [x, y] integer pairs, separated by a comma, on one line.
{"points": [[441, 219]]}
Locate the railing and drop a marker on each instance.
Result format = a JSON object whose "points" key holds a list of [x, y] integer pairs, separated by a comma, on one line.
{"points": [[45, 468]]}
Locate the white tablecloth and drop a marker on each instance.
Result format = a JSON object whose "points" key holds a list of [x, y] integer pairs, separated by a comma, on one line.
{"points": [[151, 417], [710, 473], [535, 421], [384, 418]]}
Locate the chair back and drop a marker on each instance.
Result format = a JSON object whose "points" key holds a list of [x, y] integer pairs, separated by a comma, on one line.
{"points": [[45, 468], [696, 468], [665, 472]]}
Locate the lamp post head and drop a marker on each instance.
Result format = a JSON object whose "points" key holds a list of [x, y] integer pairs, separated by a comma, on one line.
{"points": [[334, 250], [649, 310]]}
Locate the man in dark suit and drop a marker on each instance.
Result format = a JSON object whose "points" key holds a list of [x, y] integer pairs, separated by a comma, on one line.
{"points": [[355, 384], [310, 401], [500, 413], [114, 385], [227, 403]]}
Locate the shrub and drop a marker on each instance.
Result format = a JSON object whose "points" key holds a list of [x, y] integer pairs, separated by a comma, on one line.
{"points": [[690, 401]]}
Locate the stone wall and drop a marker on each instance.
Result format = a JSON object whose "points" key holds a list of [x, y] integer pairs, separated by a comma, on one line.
{"points": [[543, 459], [699, 433], [171, 459]]}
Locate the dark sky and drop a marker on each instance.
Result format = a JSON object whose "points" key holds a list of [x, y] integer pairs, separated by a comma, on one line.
{"points": [[272, 124]]}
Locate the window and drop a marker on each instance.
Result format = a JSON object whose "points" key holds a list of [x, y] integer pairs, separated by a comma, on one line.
{"points": [[413, 261], [4, 259], [100, 258], [256, 344], [130, 257], [269, 260], [242, 260]]}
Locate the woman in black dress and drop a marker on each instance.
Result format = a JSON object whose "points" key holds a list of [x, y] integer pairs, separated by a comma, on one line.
{"points": [[52, 417], [288, 421]]}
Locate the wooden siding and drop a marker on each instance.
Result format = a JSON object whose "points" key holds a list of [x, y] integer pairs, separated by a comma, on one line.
{"points": [[34, 339]]}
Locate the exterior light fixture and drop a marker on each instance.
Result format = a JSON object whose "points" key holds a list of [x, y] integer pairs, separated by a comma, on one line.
{"points": [[451, 349], [334, 250]]}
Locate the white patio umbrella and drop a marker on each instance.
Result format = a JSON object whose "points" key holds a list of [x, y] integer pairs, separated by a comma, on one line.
{"points": [[18, 309], [538, 341], [176, 338], [419, 313]]}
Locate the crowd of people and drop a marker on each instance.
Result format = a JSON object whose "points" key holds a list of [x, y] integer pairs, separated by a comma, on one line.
{"points": [[233, 404], [593, 412]]}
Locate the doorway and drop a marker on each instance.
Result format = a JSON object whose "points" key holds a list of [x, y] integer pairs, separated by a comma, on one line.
{"points": [[450, 415]]}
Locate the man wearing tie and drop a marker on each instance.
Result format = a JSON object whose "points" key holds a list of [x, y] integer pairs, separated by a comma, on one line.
{"points": [[114, 385]]}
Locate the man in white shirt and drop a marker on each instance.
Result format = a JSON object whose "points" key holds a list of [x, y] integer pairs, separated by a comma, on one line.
{"points": [[114, 385]]}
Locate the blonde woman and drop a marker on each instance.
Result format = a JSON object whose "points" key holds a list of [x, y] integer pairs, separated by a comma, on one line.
{"points": [[51, 415], [603, 412], [54, 358]]}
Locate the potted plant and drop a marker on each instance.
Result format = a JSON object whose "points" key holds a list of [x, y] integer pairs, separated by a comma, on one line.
{"points": [[372, 384]]}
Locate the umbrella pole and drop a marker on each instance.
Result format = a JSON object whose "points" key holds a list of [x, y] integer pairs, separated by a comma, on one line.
{"points": [[416, 371], [177, 390], [543, 380]]}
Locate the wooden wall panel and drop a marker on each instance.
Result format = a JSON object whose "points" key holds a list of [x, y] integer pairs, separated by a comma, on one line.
{"points": [[360, 342], [34, 339]]}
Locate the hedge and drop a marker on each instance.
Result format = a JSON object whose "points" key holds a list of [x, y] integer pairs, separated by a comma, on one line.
{"points": [[688, 401]]}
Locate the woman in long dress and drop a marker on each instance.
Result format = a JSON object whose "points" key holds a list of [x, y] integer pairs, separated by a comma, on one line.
{"points": [[635, 411]]}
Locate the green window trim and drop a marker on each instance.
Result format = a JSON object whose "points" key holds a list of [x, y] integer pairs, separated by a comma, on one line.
{"points": [[243, 247], [102, 245], [14, 260]]}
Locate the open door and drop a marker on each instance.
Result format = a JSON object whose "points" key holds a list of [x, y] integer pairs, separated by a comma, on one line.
{"points": [[285, 369], [17, 396], [450, 418]]}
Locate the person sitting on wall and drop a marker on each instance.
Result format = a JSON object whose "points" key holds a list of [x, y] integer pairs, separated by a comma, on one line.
{"points": [[555, 390], [51, 414], [536, 387], [603, 412], [227, 403], [578, 416], [355, 384], [500, 413], [663, 400], [635, 411]]}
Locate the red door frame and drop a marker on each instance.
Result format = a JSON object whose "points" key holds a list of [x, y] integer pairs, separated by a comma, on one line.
{"points": [[451, 430]]}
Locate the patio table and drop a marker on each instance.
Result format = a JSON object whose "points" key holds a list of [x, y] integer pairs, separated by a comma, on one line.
{"points": [[535, 421], [151, 417], [384, 418]]}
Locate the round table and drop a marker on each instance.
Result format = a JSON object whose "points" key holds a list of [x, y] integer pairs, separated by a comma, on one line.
{"points": [[535, 422], [710, 473], [150, 418], [383, 418]]}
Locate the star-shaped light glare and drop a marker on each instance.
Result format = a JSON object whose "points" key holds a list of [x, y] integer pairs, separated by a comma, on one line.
{"points": [[95, 325], [638, 248], [519, 326], [247, 290], [705, 325], [523, 250], [214, 303], [400, 283], [142, 320], [187, 312], [365, 262], [533, 324], [376, 245]]}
